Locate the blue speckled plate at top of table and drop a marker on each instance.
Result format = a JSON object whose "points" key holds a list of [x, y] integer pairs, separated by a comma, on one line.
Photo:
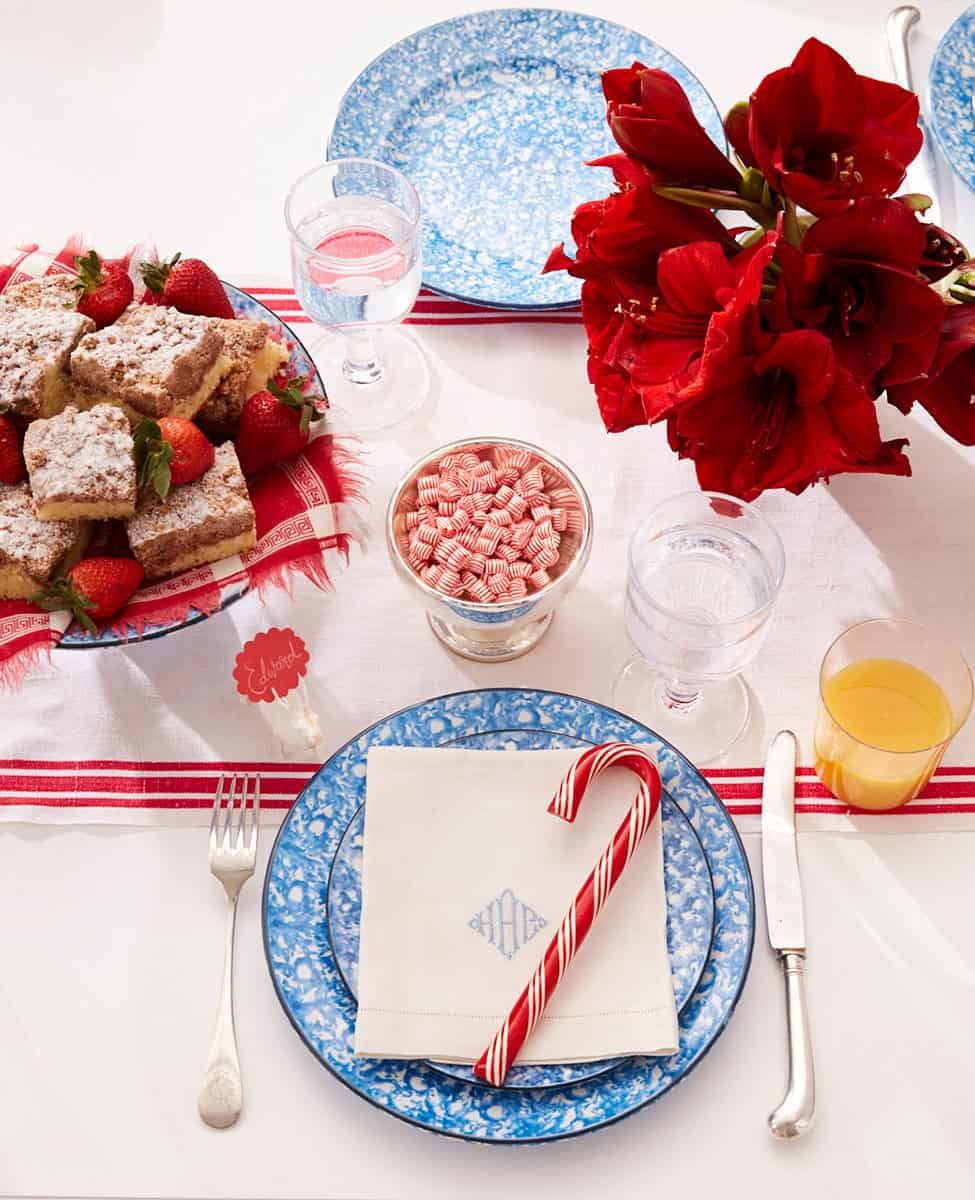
{"points": [[308, 979], [493, 117], [951, 86]]}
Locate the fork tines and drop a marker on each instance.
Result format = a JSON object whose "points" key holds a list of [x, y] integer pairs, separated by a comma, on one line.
{"points": [[230, 827]]}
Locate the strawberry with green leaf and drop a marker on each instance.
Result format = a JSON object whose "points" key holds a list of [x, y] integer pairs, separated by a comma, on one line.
{"points": [[169, 452], [187, 284], [94, 589], [104, 290], [153, 457], [275, 425]]}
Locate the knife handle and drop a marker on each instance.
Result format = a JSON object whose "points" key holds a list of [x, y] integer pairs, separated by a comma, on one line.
{"points": [[899, 25], [794, 1115]]}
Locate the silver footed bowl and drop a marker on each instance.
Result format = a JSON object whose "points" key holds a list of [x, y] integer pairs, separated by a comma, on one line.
{"points": [[502, 630]]}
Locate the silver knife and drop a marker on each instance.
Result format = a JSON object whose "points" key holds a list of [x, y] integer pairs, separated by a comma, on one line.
{"points": [[922, 174], [786, 930]]}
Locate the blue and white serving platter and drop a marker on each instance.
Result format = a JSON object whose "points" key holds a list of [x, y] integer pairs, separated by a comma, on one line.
{"points": [[493, 117], [951, 85], [308, 975], [301, 363]]}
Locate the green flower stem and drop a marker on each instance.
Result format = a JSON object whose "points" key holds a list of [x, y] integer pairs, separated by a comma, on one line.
{"points": [[715, 198]]}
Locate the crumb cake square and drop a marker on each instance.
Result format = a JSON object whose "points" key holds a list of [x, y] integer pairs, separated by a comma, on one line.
{"points": [[81, 465], [203, 521], [153, 362], [35, 344], [31, 549], [53, 291], [254, 358]]}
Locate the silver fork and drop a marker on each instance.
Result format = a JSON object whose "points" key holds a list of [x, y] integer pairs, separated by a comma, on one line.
{"points": [[233, 854]]}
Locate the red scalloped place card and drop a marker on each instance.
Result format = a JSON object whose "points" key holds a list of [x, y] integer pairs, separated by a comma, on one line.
{"points": [[270, 665]]}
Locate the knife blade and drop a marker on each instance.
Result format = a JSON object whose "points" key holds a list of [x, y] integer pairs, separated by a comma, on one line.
{"points": [[780, 859], [787, 931]]}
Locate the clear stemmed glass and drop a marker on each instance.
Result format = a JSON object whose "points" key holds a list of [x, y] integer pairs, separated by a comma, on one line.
{"points": [[704, 571], [354, 226]]}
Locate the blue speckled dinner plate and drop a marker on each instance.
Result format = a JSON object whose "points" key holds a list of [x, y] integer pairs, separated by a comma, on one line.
{"points": [[493, 117], [309, 983], [687, 882], [75, 637], [951, 85]]}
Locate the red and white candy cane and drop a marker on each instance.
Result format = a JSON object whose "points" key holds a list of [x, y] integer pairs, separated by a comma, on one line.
{"points": [[493, 1064]]}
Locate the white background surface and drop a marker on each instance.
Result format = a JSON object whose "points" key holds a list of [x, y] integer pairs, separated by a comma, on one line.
{"points": [[186, 122]]}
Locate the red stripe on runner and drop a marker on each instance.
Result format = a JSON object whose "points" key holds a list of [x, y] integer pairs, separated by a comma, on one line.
{"points": [[429, 309], [738, 772], [122, 801], [134, 784], [162, 765]]}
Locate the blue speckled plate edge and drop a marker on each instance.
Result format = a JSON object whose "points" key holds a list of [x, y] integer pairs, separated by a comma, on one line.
{"points": [[610, 1064], [507, 305], [945, 91], [74, 638], [715, 1034]]}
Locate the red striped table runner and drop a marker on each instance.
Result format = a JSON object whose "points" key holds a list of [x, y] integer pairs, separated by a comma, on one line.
{"points": [[163, 787], [430, 309]]}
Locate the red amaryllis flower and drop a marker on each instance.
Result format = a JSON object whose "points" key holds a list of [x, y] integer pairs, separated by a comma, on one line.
{"points": [[736, 131], [624, 234], [948, 393], [768, 410], [856, 279], [642, 347], [943, 253], [823, 135], [652, 120]]}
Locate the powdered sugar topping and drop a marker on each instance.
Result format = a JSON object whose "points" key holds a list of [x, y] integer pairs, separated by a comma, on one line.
{"points": [[81, 456], [34, 546]]}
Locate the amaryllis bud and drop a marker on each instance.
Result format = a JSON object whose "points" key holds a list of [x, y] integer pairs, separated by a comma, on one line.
{"points": [[752, 185], [736, 131], [943, 253]]}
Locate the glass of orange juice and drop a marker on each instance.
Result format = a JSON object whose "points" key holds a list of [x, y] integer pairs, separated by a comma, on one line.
{"points": [[892, 695]]}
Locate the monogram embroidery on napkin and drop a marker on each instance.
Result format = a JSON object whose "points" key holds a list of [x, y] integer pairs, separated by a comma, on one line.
{"points": [[507, 923]]}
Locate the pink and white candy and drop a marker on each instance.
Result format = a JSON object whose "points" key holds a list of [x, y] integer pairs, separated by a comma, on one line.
{"points": [[493, 1064], [471, 510]]}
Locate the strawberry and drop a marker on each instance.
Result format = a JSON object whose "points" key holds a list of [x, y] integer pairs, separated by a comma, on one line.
{"points": [[170, 452], [94, 589], [104, 290], [11, 460], [192, 449], [187, 284], [274, 425]]}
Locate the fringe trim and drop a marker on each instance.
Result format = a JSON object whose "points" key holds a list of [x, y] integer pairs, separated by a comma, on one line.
{"points": [[15, 668]]}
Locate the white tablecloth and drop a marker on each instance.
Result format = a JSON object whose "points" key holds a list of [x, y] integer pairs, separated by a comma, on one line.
{"points": [[111, 938]]}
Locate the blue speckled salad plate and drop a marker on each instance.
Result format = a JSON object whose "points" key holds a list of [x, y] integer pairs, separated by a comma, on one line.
{"points": [[75, 637], [310, 924], [951, 88], [493, 117]]}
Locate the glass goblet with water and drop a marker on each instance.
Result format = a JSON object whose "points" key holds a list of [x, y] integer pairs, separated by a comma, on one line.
{"points": [[354, 226], [703, 574]]}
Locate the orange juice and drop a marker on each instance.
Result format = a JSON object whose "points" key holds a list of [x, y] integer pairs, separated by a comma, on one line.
{"points": [[881, 731]]}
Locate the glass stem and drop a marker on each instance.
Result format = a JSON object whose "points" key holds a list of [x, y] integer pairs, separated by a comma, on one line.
{"points": [[362, 362], [679, 696]]}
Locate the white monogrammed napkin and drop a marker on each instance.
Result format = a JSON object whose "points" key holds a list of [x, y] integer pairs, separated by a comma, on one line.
{"points": [[466, 877]]}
